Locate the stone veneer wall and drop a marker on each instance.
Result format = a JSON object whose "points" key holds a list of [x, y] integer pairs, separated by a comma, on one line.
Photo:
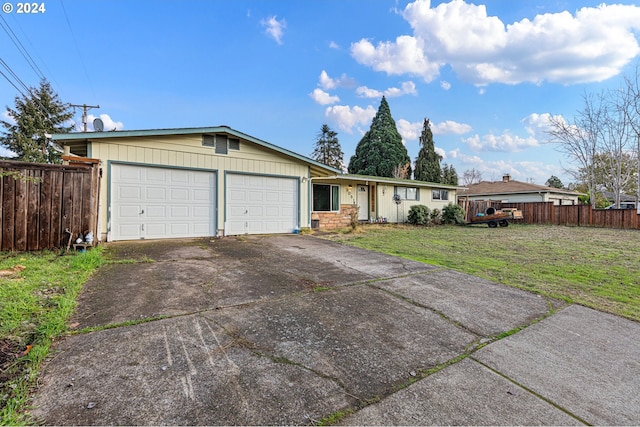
{"points": [[333, 220]]}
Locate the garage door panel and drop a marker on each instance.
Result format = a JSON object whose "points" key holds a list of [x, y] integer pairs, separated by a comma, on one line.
{"points": [[179, 212], [129, 193], [255, 204], [156, 193], [169, 202], [155, 211]]}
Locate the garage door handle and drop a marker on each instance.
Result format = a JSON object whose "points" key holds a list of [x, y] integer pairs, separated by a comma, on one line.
{"points": [[142, 212]]}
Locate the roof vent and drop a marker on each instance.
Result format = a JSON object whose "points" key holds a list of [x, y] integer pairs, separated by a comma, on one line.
{"points": [[506, 177]]}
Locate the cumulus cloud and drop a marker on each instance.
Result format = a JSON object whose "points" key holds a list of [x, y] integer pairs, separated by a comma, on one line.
{"points": [[450, 127], [323, 98], [589, 46], [274, 28], [109, 123], [411, 131], [506, 142], [445, 85], [333, 45], [347, 118], [406, 88], [328, 83]]}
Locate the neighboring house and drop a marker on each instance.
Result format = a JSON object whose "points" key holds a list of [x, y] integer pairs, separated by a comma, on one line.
{"points": [[213, 181], [372, 199], [511, 191]]}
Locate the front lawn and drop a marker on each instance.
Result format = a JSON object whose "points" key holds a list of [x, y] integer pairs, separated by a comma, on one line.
{"points": [[599, 268], [38, 293]]}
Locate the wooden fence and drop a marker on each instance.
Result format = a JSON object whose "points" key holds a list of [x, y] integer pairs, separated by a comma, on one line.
{"points": [[548, 213], [40, 202]]}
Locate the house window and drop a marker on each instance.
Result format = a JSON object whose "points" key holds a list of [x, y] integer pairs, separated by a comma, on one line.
{"points": [[326, 197], [408, 193], [234, 144], [208, 140], [440, 195]]}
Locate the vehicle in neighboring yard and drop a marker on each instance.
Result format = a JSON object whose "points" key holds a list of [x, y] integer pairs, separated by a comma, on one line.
{"points": [[496, 217], [623, 205]]}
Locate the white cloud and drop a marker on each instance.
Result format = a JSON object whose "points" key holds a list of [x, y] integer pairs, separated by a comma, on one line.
{"points": [[405, 56], [450, 127], [591, 45], [323, 98], [504, 143], [406, 88], [109, 123], [445, 85], [274, 28], [333, 45], [411, 131], [347, 118], [328, 83], [7, 118]]}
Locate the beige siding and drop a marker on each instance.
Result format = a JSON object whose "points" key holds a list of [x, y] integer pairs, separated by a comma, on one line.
{"points": [[187, 152], [384, 206]]}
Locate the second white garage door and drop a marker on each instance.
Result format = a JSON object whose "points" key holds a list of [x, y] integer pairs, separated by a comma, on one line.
{"points": [[156, 203], [259, 204]]}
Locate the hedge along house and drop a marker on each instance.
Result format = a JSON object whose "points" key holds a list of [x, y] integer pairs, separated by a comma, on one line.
{"points": [[196, 182], [372, 199]]}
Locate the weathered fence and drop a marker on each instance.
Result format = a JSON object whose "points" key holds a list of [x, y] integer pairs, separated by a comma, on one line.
{"points": [[548, 213], [41, 204]]}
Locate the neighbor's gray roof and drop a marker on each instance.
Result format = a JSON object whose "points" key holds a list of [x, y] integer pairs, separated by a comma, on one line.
{"points": [[87, 136], [512, 187]]}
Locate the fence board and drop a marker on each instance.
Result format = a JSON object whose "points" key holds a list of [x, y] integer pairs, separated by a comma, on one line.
{"points": [[36, 211]]}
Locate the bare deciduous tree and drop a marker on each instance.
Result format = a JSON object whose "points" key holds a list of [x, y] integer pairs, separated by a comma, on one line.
{"points": [[471, 176]]}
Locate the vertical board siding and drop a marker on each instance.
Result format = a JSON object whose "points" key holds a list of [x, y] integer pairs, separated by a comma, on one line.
{"points": [[573, 215], [35, 211]]}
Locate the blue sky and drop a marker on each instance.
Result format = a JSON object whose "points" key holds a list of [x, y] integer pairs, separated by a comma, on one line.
{"points": [[487, 74]]}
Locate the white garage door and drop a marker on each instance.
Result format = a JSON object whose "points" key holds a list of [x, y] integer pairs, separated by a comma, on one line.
{"points": [[260, 204], [156, 203]]}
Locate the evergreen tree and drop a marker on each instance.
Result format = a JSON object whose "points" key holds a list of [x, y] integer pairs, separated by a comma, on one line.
{"points": [[428, 161], [449, 175], [327, 149], [39, 113], [380, 152], [554, 182]]}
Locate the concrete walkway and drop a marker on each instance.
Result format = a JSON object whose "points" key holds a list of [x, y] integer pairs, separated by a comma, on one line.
{"points": [[267, 330]]}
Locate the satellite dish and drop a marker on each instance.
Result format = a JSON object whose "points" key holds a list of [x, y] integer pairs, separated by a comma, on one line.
{"points": [[98, 125]]}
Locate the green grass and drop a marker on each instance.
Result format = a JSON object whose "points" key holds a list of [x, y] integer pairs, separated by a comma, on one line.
{"points": [[599, 268], [35, 305]]}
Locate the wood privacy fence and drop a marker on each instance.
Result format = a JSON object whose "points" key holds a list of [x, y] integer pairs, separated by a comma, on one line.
{"points": [[548, 213], [41, 202]]}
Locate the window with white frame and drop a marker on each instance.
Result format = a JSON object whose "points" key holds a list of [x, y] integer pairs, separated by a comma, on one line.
{"points": [[408, 193], [326, 197], [440, 195]]}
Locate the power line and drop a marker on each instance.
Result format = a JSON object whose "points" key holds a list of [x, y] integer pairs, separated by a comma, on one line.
{"points": [[18, 44]]}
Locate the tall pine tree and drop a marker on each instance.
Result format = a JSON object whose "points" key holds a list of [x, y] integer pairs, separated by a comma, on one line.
{"points": [[449, 175], [327, 149], [380, 152], [35, 115], [428, 161]]}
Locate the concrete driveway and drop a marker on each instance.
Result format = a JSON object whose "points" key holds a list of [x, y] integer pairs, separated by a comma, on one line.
{"points": [[273, 330]]}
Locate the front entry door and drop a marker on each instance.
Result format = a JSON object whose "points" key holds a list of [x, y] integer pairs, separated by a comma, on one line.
{"points": [[363, 203]]}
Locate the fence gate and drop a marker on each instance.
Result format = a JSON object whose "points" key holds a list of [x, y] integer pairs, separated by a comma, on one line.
{"points": [[39, 202]]}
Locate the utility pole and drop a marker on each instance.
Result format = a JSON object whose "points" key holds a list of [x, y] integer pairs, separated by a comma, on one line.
{"points": [[85, 108]]}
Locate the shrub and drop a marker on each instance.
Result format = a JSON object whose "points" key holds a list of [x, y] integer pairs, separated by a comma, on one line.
{"points": [[453, 214], [436, 217], [419, 215]]}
